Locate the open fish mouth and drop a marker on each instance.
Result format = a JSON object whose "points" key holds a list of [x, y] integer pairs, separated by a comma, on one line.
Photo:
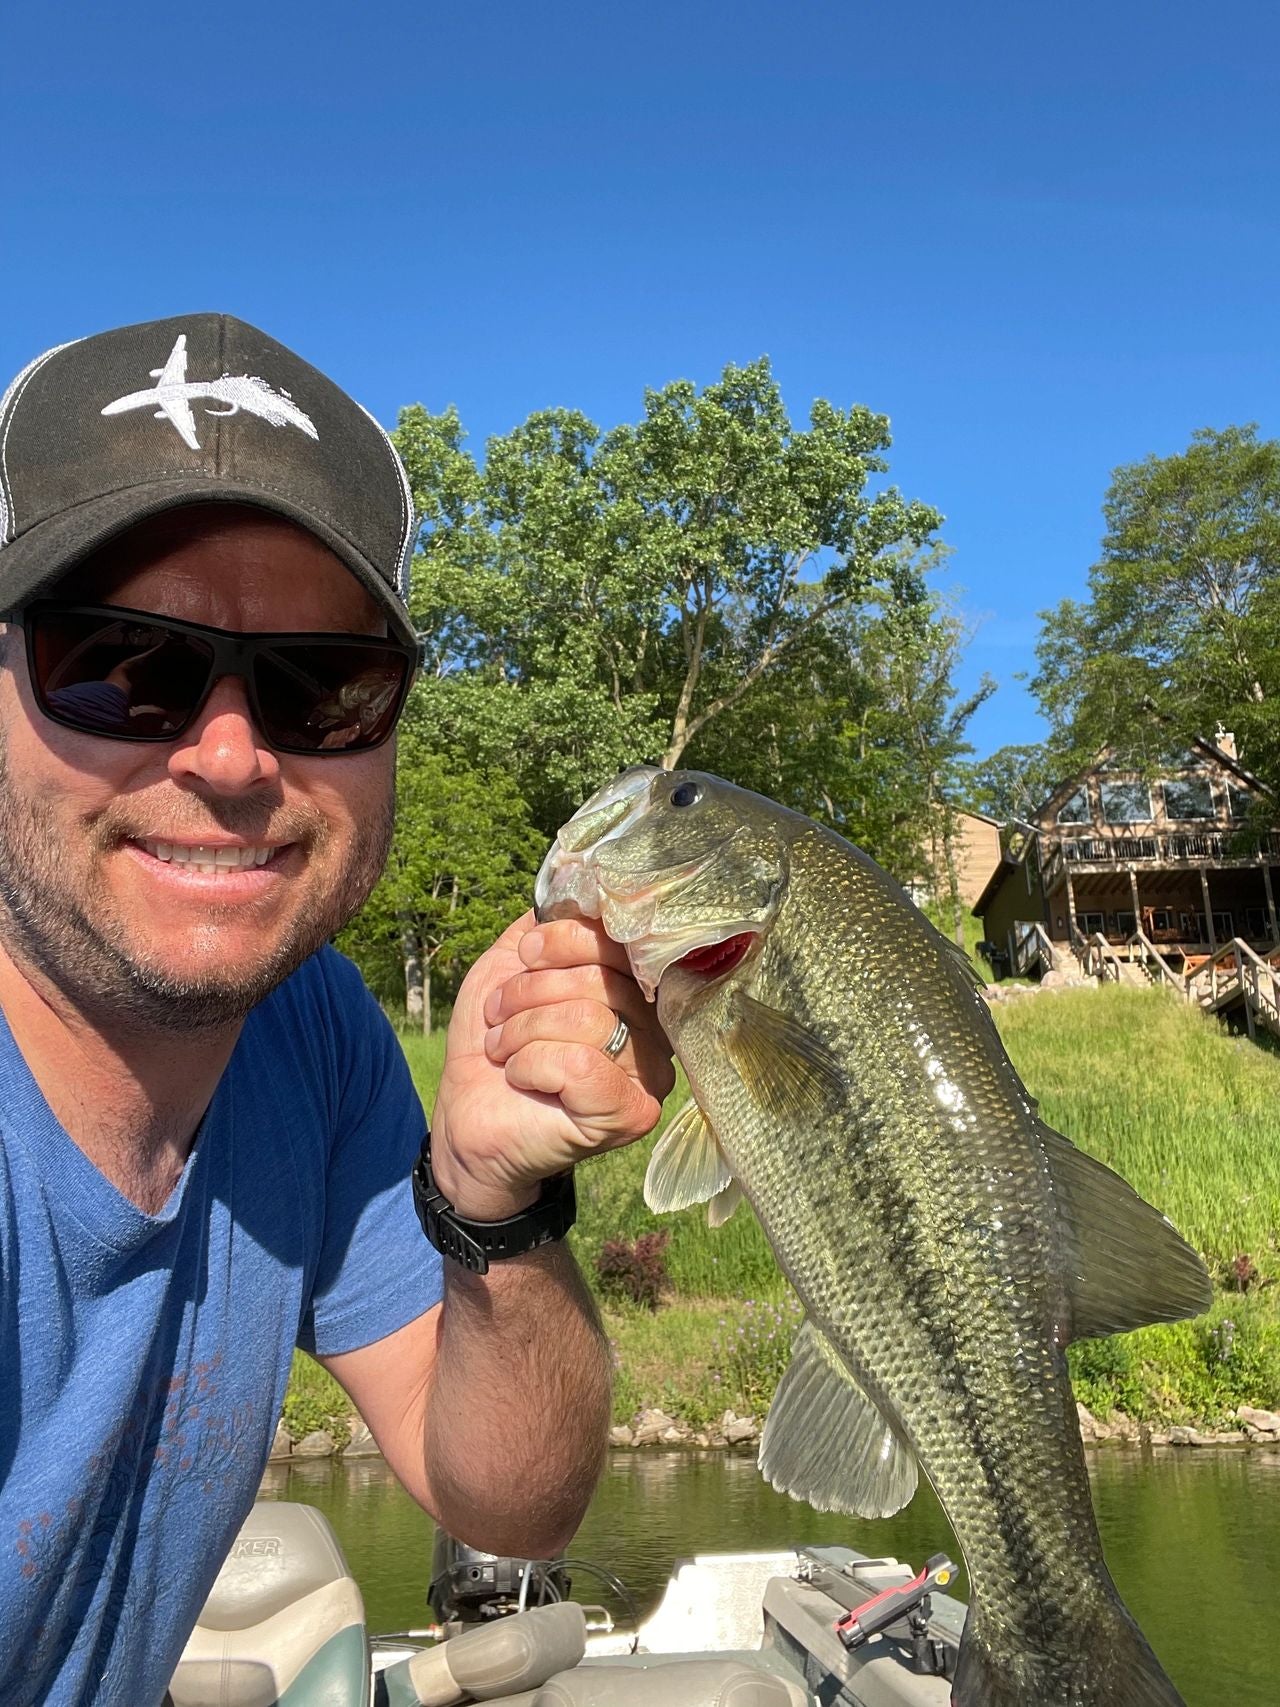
{"points": [[718, 959]]}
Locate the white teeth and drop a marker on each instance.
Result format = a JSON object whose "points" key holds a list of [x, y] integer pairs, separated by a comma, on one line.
{"points": [[206, 859]]}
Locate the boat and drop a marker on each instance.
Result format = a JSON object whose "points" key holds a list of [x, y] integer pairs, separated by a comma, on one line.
{"points": [[284, 1626]]}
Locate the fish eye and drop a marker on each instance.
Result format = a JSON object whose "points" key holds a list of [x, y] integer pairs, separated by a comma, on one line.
{"points": [[687, 794]]}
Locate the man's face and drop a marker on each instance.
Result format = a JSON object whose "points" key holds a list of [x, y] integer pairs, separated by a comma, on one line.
{"points": [[91, 895]]}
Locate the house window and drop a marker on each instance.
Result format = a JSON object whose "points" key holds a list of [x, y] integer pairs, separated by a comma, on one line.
{"points": [[1188, 797], [1223, 926], [1239, 800], [1075, 809], [1126, 803], [1256, 923], [1126, 924], [1161, 919], [1089, 922]]}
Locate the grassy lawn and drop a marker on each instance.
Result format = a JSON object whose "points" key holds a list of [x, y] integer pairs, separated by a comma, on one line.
{"points": [[1190, 1116]]}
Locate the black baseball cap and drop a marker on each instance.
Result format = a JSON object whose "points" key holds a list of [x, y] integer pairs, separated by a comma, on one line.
{"points": [[99, 434]]}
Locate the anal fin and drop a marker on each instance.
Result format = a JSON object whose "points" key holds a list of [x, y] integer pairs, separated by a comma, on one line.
{"points": [[826, 1442]]}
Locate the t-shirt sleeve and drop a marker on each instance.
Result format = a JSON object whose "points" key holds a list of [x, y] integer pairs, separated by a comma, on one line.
{"points": [[375, 1272]]}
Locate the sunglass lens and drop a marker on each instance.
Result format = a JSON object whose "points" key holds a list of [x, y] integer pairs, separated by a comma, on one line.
{"points": [[322, 698], [122, 677]]}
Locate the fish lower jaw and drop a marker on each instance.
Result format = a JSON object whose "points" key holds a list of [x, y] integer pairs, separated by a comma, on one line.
{"points": [[706, 956]]}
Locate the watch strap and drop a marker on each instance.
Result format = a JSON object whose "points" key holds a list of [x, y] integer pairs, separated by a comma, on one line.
{"points": [[475, 1244]]}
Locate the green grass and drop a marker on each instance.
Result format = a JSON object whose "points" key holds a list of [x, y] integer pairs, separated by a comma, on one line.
{"points": [[315, 1400], [1157, 1091], [1190, 1116]]}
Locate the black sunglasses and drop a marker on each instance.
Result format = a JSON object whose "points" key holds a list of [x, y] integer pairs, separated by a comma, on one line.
{"points": [[134, 676]]}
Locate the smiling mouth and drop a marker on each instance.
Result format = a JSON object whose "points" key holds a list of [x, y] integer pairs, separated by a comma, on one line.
{"points": [[208, 860]]}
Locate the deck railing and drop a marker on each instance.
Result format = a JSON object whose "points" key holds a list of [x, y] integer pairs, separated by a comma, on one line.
{"points": [[1235, 971], [1161, 847], [1032, 947], [1099, 959], [1142, 950]]}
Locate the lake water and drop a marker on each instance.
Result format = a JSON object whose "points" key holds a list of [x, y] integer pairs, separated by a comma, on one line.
{"points": [[1192, 1537]]}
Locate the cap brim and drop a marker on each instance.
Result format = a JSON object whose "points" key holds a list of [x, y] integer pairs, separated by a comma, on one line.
{"points": [[33, 564]]}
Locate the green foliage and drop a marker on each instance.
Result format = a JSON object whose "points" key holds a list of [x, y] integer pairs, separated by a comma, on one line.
{"points": [[1136, 1078], [1183, 611], [1185, 1372], [751, 1354], [861, 730], [1158, 1092], [1011, 783], [315, 1400], [461, 867], [595, 598]]}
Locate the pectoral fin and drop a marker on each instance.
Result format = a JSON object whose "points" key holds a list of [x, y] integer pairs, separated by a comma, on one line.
{"points": [[825, 1442], [1126, 1264], [784, 1066], [687, 1165]]}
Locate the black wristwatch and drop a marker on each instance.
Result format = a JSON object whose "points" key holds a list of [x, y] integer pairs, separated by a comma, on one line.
{"points": [[475, 1244]]}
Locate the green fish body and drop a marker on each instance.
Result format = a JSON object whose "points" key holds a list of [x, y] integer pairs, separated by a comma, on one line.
{"points": [[946, 1244]]}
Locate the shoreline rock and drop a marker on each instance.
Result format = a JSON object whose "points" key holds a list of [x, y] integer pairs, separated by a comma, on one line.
{"points": [[654, 1427]]}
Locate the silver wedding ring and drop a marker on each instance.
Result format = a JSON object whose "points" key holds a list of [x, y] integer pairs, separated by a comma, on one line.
{"points": [[618, 1042]]}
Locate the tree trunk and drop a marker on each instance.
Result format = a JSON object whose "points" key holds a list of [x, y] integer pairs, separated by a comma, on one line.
{"points": [[426, 1000], [953, 876], [411, 949]]}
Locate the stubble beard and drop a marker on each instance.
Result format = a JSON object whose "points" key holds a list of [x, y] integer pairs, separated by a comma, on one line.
{"points": [[85, 953]]}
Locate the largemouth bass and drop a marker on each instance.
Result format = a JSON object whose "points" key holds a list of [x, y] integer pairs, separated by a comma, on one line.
{"points": [[946, 1244]]}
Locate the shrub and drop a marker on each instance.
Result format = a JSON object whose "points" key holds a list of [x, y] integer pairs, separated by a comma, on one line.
{"points": [[635, 1268], [751, 1355]]}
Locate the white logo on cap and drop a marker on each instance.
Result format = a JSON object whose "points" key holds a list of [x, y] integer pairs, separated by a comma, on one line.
{"points": [[175, 393]]}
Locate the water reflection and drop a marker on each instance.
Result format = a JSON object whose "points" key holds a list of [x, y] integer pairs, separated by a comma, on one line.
{"points": [[1192, 1537]]}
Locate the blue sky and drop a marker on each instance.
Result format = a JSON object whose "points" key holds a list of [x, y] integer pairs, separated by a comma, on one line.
{"points": [[1043, 240]]}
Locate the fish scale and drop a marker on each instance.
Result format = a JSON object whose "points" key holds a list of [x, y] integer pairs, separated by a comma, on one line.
{"points": [[900, 1169], [945, 1244]]}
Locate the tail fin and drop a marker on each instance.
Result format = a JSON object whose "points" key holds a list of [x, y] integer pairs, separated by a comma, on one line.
{"points": [[1111, 1666]]}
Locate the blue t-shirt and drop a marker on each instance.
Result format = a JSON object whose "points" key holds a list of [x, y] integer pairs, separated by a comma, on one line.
{"points": [[144, 1358]]}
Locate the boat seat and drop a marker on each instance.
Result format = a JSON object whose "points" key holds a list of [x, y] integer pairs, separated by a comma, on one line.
{"points": [[283, 1623], [662, 1681]]}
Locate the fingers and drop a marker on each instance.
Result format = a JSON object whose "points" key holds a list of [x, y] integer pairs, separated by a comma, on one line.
{"points": [[602, 985], [572, 942], [550, 1000], [607, 1104]]}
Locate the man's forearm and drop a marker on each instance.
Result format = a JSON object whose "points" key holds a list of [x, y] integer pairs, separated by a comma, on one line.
{"points": [[512, 1465]]}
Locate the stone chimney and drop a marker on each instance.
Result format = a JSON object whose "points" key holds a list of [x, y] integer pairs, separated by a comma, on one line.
{"points": [[1225, 741]]}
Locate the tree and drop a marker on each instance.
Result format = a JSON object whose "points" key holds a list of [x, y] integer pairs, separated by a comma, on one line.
{"points": [[1010, 783], [1183, 613], [915, 651], [461, 867], [600, 598]]}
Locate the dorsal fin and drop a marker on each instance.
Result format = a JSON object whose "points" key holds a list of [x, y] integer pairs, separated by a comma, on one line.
{"points": [[1126, 1264]]}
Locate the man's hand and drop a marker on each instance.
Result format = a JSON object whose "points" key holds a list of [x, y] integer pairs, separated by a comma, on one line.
{"points": [[527, 1089]]}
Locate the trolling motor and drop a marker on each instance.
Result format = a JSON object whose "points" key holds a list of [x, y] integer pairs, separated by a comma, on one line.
{"points": [[910, 1605], [470, 1587]]}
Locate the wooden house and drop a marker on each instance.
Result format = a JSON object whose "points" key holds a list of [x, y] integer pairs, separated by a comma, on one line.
{"points": [[1163, 869]]}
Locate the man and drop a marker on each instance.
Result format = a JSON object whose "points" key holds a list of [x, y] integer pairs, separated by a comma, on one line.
{"points": [[206, 1128]]}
